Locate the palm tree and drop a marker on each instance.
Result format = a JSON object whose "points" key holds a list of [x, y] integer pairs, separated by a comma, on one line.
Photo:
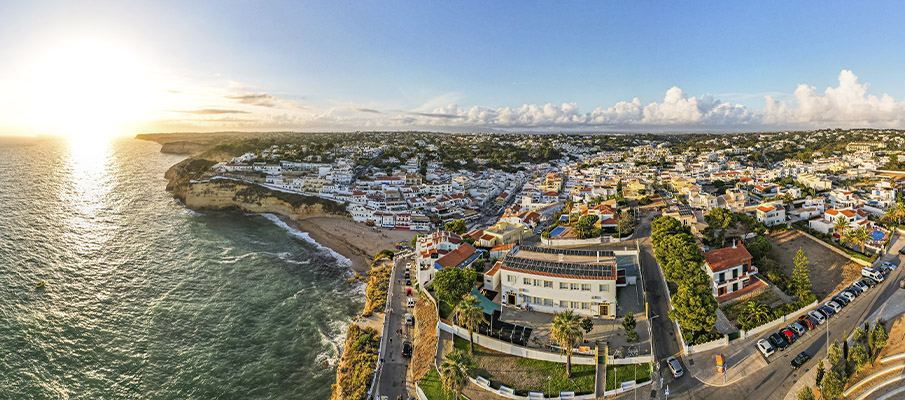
{"points": [[566, 331], [848, 236], [861, 236], [891, 214], [470, 315], [900, 212], [841, 224], [454, 371], [755, 312]]}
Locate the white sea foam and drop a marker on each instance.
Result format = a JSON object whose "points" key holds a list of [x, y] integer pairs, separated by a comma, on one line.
{"points": [[304, 236], [186, 209]]}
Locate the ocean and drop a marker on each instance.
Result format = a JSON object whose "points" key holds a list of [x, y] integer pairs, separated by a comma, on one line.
{"points": [[145, 299]]}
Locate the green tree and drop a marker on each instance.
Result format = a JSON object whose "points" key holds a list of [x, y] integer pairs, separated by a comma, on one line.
{"points": [[694, 308], [806, 393], [820, 371], [758, 248], [458, 227], [470, 315], [629, 324], [801, 276], [720, 220], [878, 337], [453, 283], [584, 228], [566, 331], [415, 240], [626, 222], [857, 357], [587, 324], [832, 385], [754, 314], [454, 371], [835, 356], [479, 265], [841, 224]]}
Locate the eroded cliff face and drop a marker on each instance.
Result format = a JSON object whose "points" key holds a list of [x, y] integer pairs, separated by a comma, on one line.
{"points": [[221, 194]]}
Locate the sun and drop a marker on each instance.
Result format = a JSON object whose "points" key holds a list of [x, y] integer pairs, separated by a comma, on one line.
{"points": [[89, 89]]}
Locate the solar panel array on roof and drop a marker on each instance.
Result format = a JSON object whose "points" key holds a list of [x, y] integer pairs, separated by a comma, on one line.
{"points": [[558, 268], [568, 252]]}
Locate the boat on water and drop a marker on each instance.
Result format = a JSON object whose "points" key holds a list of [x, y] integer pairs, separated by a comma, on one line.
{"points": [[40, 285]]}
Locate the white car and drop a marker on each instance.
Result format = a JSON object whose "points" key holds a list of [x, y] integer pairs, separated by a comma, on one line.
{"points": [[818, 317], [410, 302], [848, 296], [861, 285], [765, 347], [674, 366], [834, 305]]}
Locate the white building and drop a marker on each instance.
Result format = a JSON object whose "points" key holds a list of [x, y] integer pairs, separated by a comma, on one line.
{"points": [[770, 215], [554, 280]]}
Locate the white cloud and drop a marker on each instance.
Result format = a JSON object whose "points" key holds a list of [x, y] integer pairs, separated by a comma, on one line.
{"points": [[847, 105]]}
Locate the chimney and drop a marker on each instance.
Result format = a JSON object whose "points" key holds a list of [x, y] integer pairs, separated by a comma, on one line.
{"points": [[733, 244], [598, 255]]}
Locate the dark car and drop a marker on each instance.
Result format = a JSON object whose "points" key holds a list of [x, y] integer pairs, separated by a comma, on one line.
{"points": [[407, 349], [828, 311], [800, 359], [857, 289], [408, 282], [789, 335], [841, 300], [778, 342], [869, 282], [902, 250]]}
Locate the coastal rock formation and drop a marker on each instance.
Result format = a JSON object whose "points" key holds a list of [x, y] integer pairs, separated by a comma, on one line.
{"points": [[221, 193]]}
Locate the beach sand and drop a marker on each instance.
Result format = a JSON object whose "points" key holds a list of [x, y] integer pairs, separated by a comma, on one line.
{"points": [[355, 241]]}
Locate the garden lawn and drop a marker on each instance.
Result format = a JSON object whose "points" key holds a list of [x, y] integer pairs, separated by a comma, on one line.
{"points": [[526, 375], [433, 387], [446, 309], [616, 374]]}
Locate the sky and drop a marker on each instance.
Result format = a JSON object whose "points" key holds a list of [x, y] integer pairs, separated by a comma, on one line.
{"points": [[156, 66]]}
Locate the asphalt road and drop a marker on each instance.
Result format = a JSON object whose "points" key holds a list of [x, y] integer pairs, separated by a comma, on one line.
{"points": [[391, 381]]}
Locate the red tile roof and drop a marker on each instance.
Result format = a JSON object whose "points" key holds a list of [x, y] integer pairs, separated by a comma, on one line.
{"points": [[456, 256], [723, 259]]}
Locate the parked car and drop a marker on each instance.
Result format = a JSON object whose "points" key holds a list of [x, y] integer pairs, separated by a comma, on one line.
{"points": [[860, 285], [884, 269], [408, 282], [409, 302], [902, 284], [807, 321], [798, 328], [407, 349], [834, 305], [408, 291], [848, 295], [789, 335], [902, 250], [765, 348], [409, 320], [674, 366], [818, 316], [869, 282], [828, 310], [855, 289], [778, 342], [841, 300], [800, 359]]}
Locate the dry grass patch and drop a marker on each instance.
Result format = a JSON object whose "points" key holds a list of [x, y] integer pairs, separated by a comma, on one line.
{"points": [[425, 338], [830, 271]]}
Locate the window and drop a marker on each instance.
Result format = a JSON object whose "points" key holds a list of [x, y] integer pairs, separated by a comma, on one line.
{"points": [[585, 287], [573, 286], [721, 277], [563, 286], [538, 300], [548, 284], [576, 305], [585, 306], [563, 304], [548, 302], [510, 278], [604, 287], [734, 273], [526, 281]]}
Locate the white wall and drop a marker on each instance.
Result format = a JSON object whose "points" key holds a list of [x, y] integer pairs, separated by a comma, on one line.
{"points": [[509, 348]]}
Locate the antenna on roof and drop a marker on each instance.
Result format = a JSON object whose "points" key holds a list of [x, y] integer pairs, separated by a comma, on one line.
{"points": [[733, 244]]}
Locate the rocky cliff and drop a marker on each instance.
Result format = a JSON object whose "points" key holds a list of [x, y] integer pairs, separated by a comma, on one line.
{"points": [[183, 147], [220, 194]]}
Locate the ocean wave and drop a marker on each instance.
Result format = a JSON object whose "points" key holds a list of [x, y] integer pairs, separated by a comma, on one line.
{"points": [[333, 341], [304, 236], [186, 209]]}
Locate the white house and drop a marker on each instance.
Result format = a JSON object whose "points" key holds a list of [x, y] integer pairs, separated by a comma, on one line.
{"points": [[729, 269], [554, 280], [770, 215]]}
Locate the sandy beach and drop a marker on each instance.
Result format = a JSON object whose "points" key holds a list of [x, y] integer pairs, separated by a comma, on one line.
{"points": [[355, 241]]}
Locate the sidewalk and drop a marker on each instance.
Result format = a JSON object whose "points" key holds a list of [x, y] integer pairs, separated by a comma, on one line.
{"points": [[740, 360]]}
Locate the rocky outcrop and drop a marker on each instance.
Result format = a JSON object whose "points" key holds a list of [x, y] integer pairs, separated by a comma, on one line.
{"points": [[182, 147], [187, 185]]}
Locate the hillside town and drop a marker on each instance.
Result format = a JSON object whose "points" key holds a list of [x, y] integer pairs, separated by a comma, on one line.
{"points": [[691, 261]]}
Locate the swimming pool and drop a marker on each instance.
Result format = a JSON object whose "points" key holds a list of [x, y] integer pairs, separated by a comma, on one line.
{"points": [[557, 231]]}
